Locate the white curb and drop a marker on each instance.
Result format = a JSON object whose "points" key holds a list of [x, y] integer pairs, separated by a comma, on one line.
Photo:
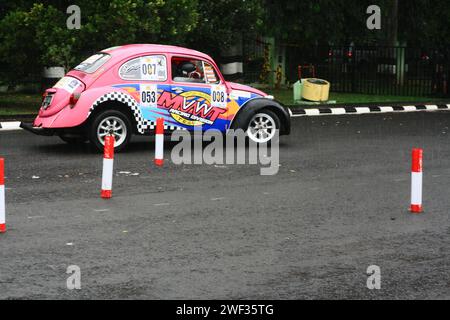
{"points": [[10, 126]]}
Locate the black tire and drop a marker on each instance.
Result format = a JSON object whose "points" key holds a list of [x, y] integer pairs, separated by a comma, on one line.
{"points": [[74, 140], [99, 118], [271, 114]]}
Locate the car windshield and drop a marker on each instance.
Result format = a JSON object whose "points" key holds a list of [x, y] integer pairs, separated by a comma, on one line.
{"points": [[93, 63]]}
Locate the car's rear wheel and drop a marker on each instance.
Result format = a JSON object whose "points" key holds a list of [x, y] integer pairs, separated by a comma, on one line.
{"points": [[110, 122], [262, 126]]}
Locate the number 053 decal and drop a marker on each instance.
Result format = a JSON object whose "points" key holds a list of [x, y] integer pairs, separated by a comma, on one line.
{"points": [[149, 95], [219, 96]]}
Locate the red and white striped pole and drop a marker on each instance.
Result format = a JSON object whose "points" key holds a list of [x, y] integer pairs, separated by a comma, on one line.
{"points": [[2, 196], [416, 181], [159, 142], [108, 164]]}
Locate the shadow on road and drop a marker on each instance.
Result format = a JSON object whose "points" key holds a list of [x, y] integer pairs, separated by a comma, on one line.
{"points": [[137, 145]]}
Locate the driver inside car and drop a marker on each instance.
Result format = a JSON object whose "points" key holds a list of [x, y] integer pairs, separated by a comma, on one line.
{"points": [[186, 71]]}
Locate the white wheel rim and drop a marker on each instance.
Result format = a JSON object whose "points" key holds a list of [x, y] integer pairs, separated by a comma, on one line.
{"points": [[112, 126], [261, 128]]}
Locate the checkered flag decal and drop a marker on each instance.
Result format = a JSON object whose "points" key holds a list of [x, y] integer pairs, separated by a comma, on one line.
{"points": [[124, 98]]}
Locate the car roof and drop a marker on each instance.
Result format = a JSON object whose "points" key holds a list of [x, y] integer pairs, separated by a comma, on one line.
{"points": [[133, 49]]}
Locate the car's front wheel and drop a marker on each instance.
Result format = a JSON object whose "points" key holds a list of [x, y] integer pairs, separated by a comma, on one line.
{"points": [[110, 122], [262, 126]]}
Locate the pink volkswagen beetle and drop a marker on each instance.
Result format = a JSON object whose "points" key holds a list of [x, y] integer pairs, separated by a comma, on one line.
{"points": [[123, 90]]}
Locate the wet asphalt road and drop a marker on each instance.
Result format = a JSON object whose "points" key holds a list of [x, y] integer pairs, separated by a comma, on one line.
{"points": [[338, 205]]}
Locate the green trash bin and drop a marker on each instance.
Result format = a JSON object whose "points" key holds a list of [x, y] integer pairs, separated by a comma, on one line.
{"points": [[298, 87]]}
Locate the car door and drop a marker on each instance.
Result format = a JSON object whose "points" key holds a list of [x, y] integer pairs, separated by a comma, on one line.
{"points": [[145, 78], [198, 98]]}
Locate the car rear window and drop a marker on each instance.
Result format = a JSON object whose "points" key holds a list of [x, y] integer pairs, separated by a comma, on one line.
{"points": [[93, 63]]}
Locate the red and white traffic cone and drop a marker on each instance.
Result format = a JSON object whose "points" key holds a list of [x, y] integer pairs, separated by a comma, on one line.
{"points": [[2, 196], [108, 164], [416, 181], [159, 142]]}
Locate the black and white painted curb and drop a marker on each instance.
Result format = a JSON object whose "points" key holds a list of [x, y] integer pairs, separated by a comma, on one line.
{"points": [[310, 112], [302, 112]]}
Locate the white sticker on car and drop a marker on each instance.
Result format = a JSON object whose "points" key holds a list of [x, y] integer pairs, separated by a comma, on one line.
{"points": [[219, 96], [153, 68], [236, 94], [149, 95], [68, 83]]}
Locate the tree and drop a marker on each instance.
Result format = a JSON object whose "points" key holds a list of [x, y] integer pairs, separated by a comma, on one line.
{"points": [[33, 35], [419, 22], [40, 39], [424, 23], [221, 23], [17, 50], [37, 33], [318, 22], [125, 21]]}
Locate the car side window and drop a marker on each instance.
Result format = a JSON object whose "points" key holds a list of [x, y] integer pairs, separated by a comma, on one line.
{"points": [[193, 71], [151, 68]]}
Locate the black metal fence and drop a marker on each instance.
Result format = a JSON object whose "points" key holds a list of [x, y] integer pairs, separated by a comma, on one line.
{"points": [[376, 70], [253, 56], [364, 69]]}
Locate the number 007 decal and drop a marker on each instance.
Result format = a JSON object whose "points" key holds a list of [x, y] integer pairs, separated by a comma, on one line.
{"points": [[219, 96], [153, 68], [149, 95]]}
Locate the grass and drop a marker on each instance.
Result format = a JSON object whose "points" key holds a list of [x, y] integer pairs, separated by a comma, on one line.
{"points": [[19, 103], [286, 96]]}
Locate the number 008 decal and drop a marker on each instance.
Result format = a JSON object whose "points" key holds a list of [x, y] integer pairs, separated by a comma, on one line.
{"points": [[219, 96], [149, 95]]}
